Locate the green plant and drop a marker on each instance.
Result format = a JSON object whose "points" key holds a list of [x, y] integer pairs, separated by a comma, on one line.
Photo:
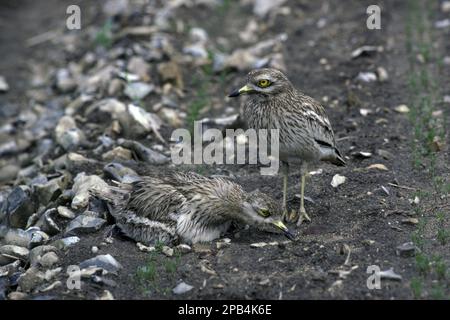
{"points": [[422, 263], [105, 37], [416, 287], [199, 102], [437, 292], [440, 267]]}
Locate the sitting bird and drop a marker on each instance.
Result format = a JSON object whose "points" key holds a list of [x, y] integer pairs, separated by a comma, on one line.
{"points": [[305, 133], [188, 207]]}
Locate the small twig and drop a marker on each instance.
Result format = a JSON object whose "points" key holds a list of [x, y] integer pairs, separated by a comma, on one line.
{"points": [[401, 187], [345, 138], [43, 37]]}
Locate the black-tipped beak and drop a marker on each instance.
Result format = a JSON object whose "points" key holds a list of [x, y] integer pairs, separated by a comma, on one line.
{"points": [[289, 235], [235, 93], [244, 89], [280, 225]]}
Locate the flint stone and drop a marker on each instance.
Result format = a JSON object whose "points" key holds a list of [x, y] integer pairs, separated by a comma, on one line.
{"points": [[106, 262], [20, 206], [84, 224]]}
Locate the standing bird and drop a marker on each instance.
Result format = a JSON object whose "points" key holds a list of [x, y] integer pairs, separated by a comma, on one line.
{"points": [[188, 207], [305, 133]]}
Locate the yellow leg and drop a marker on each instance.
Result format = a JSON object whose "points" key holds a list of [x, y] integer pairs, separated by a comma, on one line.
{"points": [[285, 181], [303, 216]]}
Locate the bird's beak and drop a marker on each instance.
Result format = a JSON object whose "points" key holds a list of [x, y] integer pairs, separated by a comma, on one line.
{"points": [[243, 90], [280, 225]]}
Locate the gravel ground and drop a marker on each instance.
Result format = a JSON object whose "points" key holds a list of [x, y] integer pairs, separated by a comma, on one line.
{"points": [[397, 178]]}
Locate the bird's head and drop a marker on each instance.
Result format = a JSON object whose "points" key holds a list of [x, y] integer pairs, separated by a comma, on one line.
{"points": [[261, 210], [264, 82]]}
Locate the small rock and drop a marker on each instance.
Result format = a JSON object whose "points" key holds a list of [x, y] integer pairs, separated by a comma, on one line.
{"points": [[366, 50], [366, 77], [144, 248], [441, 24], [138, 90], [264, 282], [64, 81], [84, 224], [65, 243], [52, 286], [31, 279], [49, 259], [182, 288], [83, 184], [407, 249], [362, 154], [106, 295], [10, 269], [52, 273], [106, 262], [10, 253], [8, 173], [390, 275], [3, 84], [183, 248], [47, 223], [94, 249], [119, 172], [382, 74], [16, 295], [19, 206], [410, 221], [67, 134], [170, 72], [37, 253], [264, 244], [139, 66], [223, 243], [171, 116], [337, 180], [145, 154], [38, 238], [16, 237], [378, 166], [263, 7], [65, 212], [118, 153], [403, 108], [364, 112], [50, 190], [445, 6], [168, 251], [149, 121], [368, 242], [385, 154]]}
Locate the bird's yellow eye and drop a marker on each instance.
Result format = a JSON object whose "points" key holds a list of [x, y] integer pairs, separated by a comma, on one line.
{"points": [[264, 213], [264, 83]]}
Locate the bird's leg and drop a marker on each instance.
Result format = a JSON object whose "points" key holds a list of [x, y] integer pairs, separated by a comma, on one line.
{"points": [[303, 216], [285, 176]]}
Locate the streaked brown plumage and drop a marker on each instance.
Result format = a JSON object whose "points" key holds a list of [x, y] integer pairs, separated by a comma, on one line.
{"points": [[305, 133], [188, 207]]}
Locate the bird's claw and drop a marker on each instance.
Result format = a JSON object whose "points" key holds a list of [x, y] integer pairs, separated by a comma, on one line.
{"points": [[303, 216], [290, 217]]}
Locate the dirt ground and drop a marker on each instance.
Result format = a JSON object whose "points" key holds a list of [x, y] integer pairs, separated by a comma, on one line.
{"points": [[354, 226]]}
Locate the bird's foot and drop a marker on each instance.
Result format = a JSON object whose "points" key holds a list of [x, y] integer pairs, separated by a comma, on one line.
{"points": [[290, 217], [303, 216]]}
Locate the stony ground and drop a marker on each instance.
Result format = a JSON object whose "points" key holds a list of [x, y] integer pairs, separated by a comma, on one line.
{"points": [[388, 104]]}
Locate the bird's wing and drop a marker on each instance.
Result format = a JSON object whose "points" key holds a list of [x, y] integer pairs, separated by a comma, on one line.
{"points": [[321, 130], [155, 199]]}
